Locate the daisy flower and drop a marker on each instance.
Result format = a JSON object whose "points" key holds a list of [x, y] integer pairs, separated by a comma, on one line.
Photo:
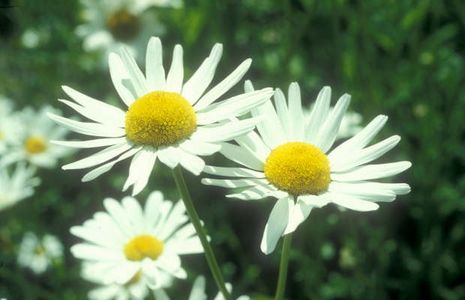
{"points": [[135, 288], [164, 119], [32, 144], [18, 186], [38, 254], [295, 161], [10, 125], [128, 243], [112, 23]]}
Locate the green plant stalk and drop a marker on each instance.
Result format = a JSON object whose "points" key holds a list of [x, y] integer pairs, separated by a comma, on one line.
{"points": [[283, 267], [194, 217]]}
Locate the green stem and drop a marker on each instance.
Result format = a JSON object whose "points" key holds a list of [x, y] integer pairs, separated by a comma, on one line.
{"points": [[194, 217], [283, 267]]}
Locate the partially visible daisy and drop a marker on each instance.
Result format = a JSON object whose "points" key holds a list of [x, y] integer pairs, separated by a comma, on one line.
{"points": [[10, 124], [293, 160], [112, 23], [127, 244], [163, 119], [198, 291], [32, 144], [39, 254], [135, 288], [17, 186]]}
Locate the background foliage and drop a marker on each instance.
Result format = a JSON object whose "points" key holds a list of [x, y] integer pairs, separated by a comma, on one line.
{"points": [[400, 58]]}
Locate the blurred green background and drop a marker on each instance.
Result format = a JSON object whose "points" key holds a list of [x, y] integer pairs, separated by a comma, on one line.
{"points": [[404, 59]]}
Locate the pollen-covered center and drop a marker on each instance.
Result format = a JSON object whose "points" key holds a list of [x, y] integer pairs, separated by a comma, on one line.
{"points": [[143, 246], [298, 168], [160, 119], [123, 25], [35, 145]]}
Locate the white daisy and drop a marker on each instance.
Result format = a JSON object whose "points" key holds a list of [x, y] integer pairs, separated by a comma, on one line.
{"points": [[32, 144], [127, 243], [18, 186], [38, 254], [292, 160], [163, 119], [135, 288], [10, 124], [110, 23]]}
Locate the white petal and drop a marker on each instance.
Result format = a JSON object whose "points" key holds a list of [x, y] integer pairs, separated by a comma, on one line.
{"points": [[241, 156], [276, 224], [224, 86], [297, 215], [168, 156], [198, 289], [373, 171], [352, 202], [190, 162], [361, 139], [233, 106], [270, 128], [295, 110], [139, 170], [353, 159], [224, 132], [364, 191], [234, 183], [176, 72], [328, 133], [318, 114], [254, 144], [91, 143], [258, 192], [200, 148], [94, 129], [107, 167], [233, 172], [109, 114], [135, 74], [98, 158], [201, 79], [282, 111], [154, 65], [120, 78]]}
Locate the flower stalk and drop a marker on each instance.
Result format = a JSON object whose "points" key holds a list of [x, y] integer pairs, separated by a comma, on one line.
{"points": [[283, 266], [194, 217]]}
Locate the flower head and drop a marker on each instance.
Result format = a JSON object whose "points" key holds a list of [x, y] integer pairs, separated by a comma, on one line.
{"points": [[10, 124], [17, 186], [130, 247], [293, 160], [164, 119], [111, 23], [38, 254], [32, 142]]}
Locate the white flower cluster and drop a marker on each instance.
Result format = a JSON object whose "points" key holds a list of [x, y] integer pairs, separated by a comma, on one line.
{"points": [[25, 146], [292, 156]]}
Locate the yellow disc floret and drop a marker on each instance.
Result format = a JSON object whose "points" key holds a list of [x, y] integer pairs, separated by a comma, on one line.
{"points": [[160, 119], [35, 145], [298, 168], [143, 246]]}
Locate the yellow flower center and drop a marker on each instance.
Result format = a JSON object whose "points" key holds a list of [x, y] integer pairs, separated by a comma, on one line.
{"points": [[298, 168], [35, 145], [123, 25], [160, 119], [143, 246]]}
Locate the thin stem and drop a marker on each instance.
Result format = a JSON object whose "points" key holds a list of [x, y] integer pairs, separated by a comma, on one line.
{"points": [[283, 267], [194, 217]]}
